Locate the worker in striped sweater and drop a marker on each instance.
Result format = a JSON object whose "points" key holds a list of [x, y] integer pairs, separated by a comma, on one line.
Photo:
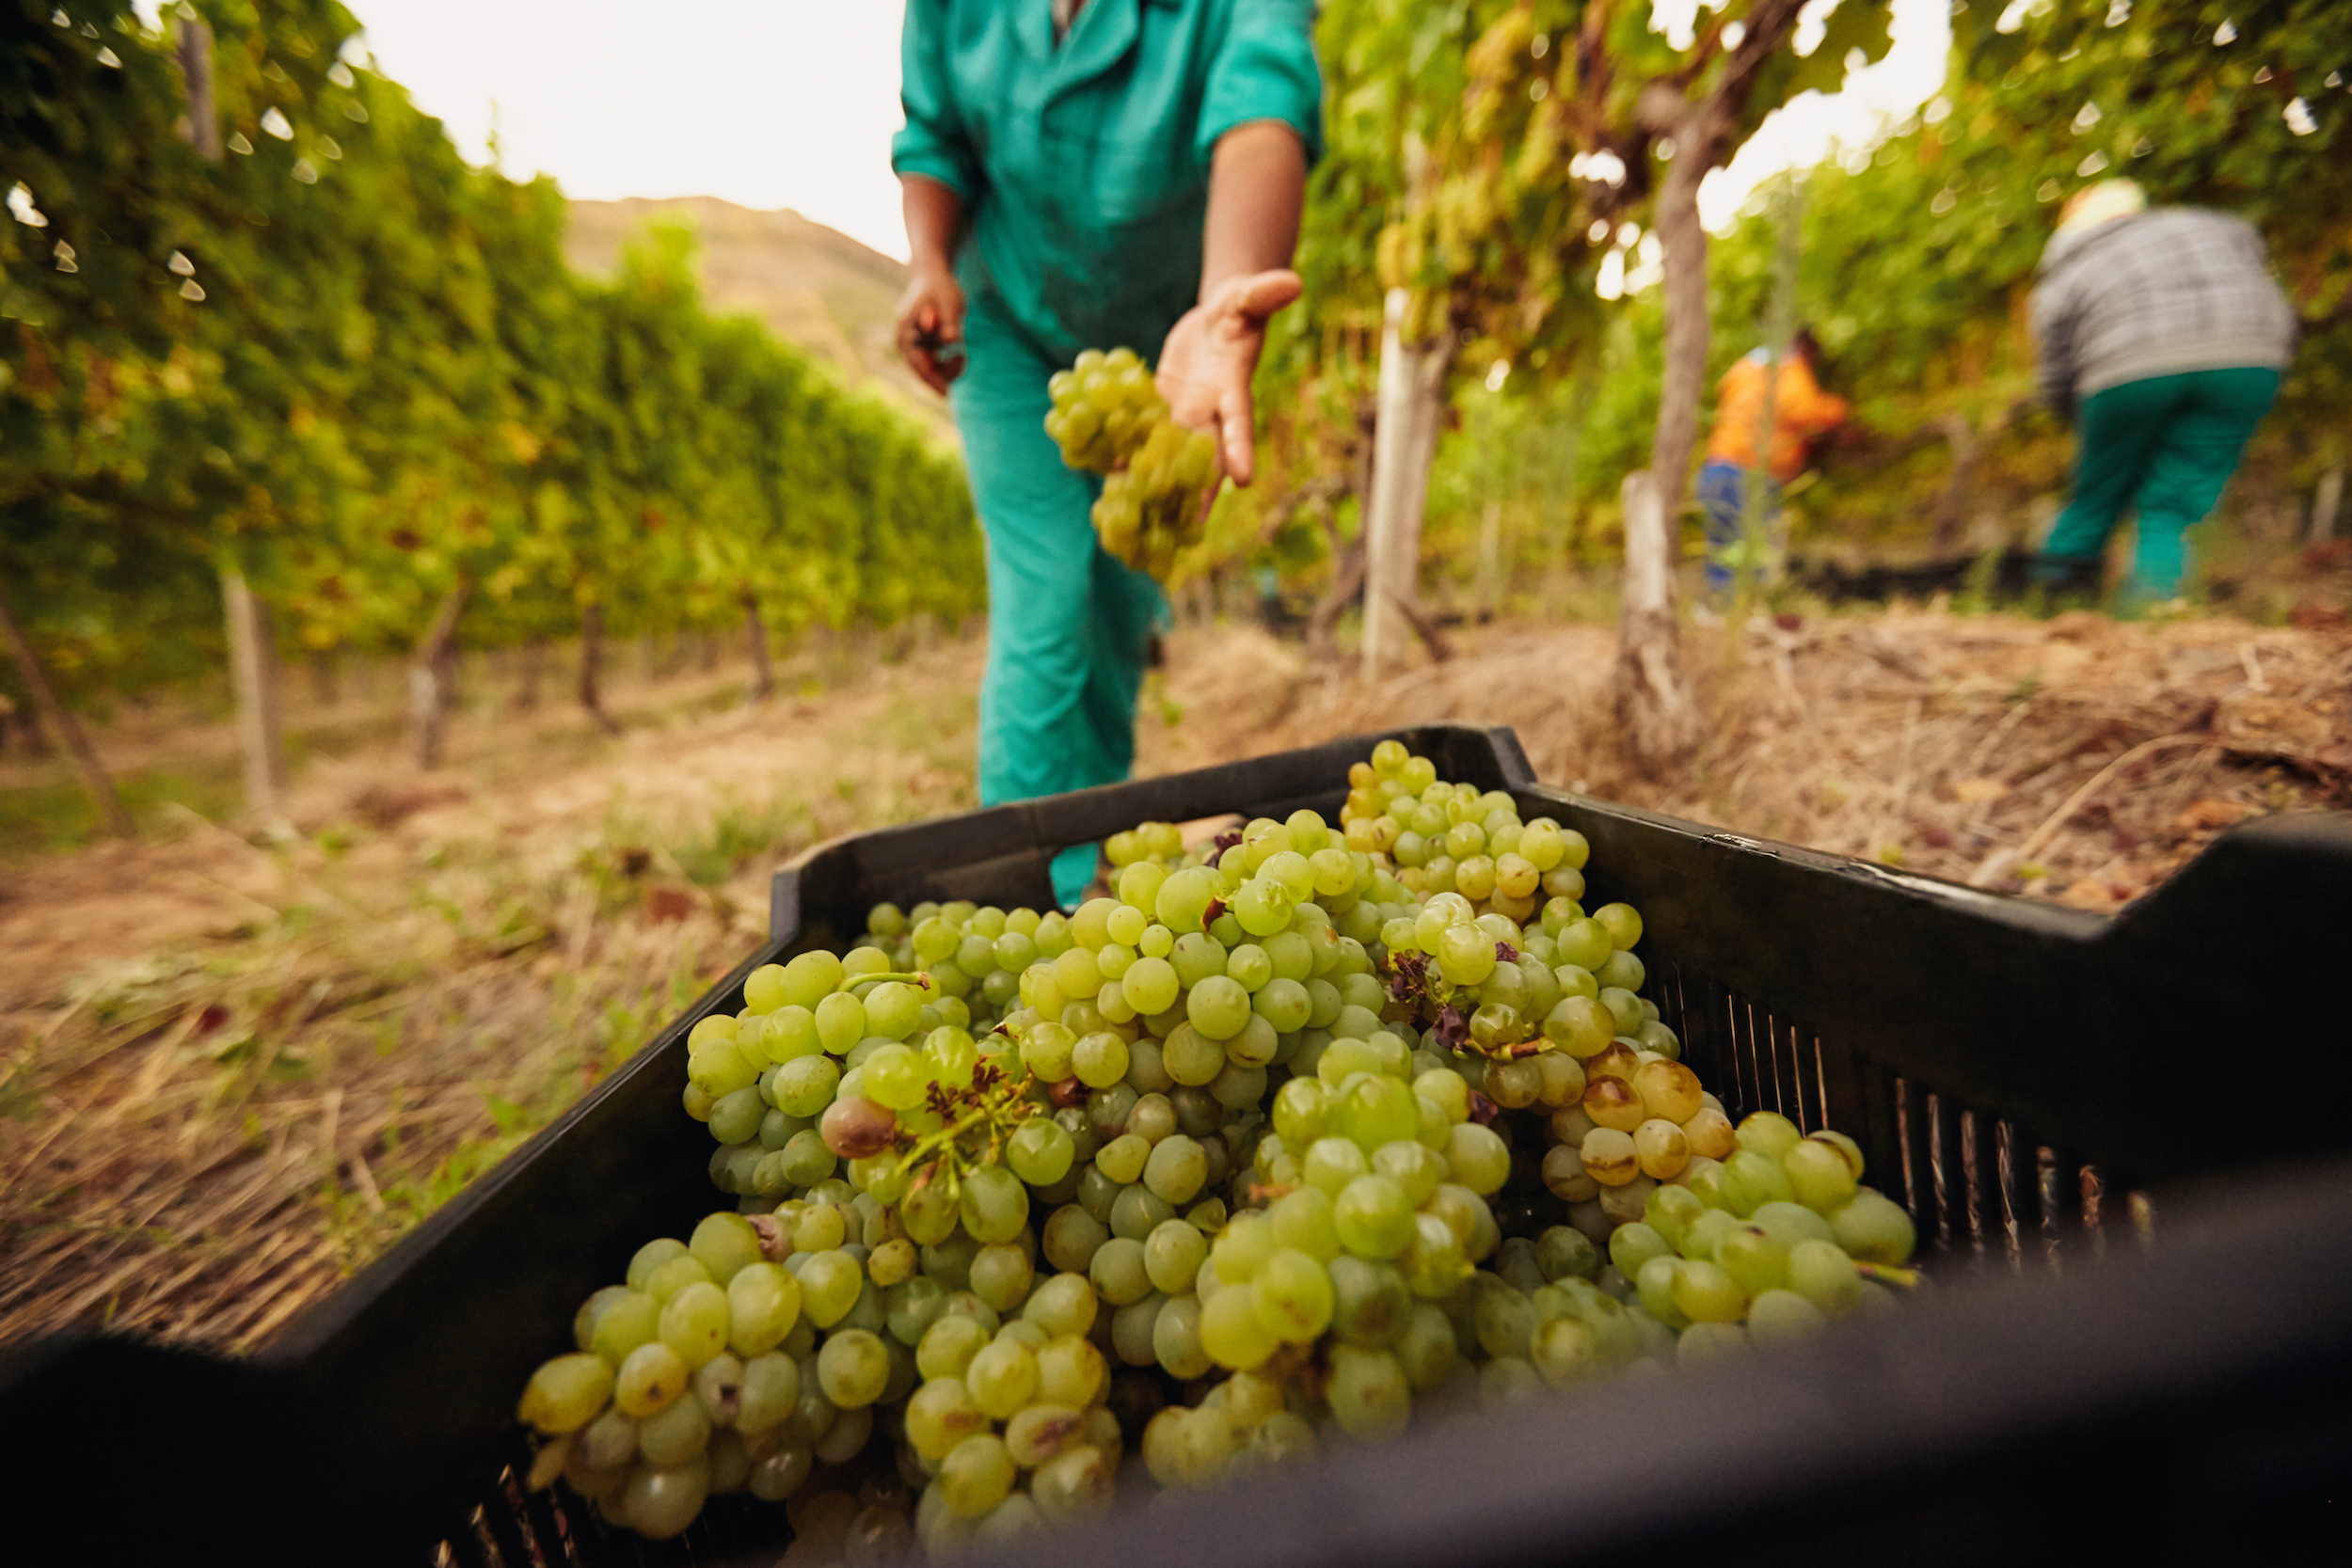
{"points": [[2162, 338]]}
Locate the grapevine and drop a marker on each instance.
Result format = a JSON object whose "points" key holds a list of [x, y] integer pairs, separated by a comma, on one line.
{"points": [[1307, 1131]]}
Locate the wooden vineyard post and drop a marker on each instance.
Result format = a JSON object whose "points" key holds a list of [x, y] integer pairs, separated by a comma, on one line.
{"points": [[252, 655], [591, 667], [192, 49], [253, 675], [1490, 557], [430, 676], [755, 635], [531, 666], [1405, 439], [65, 728]]}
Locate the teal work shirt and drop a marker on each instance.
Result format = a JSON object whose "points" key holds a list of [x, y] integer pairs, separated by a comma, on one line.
{"points": [[1083, 168]]}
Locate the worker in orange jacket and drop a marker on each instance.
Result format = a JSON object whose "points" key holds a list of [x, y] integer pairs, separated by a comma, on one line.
{"points": [[1802, 414]]}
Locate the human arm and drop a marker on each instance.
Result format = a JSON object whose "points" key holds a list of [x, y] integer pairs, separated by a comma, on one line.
{"points": [[939, 179], [930, 312], [2054, 312], [1257, 186], [1801, 406]]}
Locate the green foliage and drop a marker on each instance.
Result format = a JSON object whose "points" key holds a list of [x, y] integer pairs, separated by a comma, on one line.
{"points": [[1918, 258], [359, 368], [2240, 107], [1528, 455], [1481, 156], [1918, 261]]}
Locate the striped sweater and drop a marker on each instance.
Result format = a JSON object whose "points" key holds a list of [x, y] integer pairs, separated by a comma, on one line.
{"points": [[2156, 293]]}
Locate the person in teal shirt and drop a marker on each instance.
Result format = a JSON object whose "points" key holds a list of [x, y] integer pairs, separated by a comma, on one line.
{"points": [[1091, 174]]}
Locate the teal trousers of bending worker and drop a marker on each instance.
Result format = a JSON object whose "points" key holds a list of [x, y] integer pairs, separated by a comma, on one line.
{"points": [[2164, 449], [1056, 169], [1068, 625]]}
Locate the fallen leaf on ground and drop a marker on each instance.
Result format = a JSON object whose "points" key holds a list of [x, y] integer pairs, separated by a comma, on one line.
{"points": [[2210, 814], [2093, 892], [664, 904]]}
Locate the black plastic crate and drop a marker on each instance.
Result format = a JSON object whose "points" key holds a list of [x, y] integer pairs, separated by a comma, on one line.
{"points": [[2011, 1069]]}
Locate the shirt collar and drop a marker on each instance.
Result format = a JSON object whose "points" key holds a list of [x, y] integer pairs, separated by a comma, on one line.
{"points": [[1103, 31]]}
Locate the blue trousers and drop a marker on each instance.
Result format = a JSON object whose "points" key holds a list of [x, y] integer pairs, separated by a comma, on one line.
{"points": [[1068, 626], [1723, 497]]}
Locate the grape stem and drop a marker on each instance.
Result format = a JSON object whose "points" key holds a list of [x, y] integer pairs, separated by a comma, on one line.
{"points": [[1415, 983], [1504, 1051], [995, 1100], [918, 978], [1888, 1273]]}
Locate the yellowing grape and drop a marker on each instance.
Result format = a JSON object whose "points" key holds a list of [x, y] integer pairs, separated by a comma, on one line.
{"points": [[1612, 1103], [1710, 1134], [1610, 1157], [1662, 1149], [565, 1394], [1668, 1089]]}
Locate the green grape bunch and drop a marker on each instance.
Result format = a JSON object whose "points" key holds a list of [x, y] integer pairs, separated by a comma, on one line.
{"points": [[1110, 418], [1330, 1127]]}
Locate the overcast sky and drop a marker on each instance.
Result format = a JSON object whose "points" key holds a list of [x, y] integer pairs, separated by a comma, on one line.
{"points": [[792, 103], [764, 102]]}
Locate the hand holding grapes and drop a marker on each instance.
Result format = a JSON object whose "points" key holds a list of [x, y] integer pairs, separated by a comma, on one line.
{"points": [[1210, 356]]}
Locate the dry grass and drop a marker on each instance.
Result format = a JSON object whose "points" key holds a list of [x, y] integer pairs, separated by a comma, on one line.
{"points": [[213, 1144], [231, 1071], [287, 1053]]}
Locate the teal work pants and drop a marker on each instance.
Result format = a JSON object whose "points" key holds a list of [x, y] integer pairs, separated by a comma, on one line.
{"points": [[2163, 448], [1068, 626]]}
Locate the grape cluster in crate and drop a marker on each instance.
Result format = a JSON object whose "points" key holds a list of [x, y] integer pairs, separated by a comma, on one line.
{"points": [[1310, 1130]]}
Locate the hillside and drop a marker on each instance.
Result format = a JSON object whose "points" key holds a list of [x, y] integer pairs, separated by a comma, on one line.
{"points": [[813, 286]]}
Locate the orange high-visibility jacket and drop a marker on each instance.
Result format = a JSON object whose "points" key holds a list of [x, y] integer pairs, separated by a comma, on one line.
{"points": [[1800, 411]]}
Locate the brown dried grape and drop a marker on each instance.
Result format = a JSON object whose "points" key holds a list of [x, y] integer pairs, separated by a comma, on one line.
{"points": [[858, 1128]]}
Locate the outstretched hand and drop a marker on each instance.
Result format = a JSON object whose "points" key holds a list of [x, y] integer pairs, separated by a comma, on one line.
{"points": [[1210, 356]]}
